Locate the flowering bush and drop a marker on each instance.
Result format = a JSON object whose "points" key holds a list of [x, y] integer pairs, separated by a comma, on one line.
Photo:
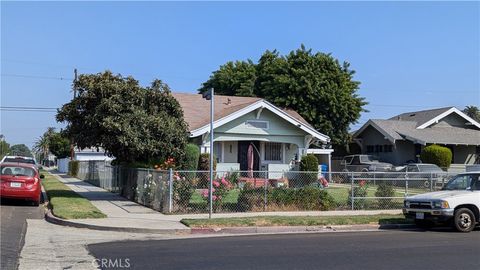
{"points": [[166, 165], [146, 191], [220, 188], [358, 193], [182, 191]]}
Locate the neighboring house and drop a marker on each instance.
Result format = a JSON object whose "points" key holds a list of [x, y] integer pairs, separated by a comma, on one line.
{"points": [[87, 154], [401, 138], [280, 137]]}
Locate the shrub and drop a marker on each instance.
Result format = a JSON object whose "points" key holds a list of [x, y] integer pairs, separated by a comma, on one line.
{"points": [[182, 191], [436, 154], [73, 168], [309, 163], [251, 199], [359, 191], [220, 188], [311, 198], [192, 156], [204, 165], [385, 189]]}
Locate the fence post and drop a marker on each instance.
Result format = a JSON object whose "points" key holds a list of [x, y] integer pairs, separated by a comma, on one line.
{"points": [[406, 184], [170, 190], [265, 181], [353, 193]]}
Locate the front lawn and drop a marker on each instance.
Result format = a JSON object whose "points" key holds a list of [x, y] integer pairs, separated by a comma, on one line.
{"points": [[65, 203], [295, 221]]}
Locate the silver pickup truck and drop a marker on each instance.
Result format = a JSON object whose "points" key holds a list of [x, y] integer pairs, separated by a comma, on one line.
{"points": [[457, 204]]}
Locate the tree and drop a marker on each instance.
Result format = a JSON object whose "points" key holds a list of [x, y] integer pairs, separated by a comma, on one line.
{"points": [[4, 146], [59, 145], [473, 112], [132, 123], [42, 145], [20, 150], [316, 85]]}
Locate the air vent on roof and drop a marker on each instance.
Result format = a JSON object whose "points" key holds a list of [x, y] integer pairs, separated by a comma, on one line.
{"points": [[257, 124], [412, 114]]}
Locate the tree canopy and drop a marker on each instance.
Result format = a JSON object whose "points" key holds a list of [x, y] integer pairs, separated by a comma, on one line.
{"points": [[320, 88], [131, 122], [473, 112], [20, 150], [4, 146]]}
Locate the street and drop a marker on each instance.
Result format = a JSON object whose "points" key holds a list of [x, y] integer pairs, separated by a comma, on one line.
{"points": [[439, 249], [13, 227]]}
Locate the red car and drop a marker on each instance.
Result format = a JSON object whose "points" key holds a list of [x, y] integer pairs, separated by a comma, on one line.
{"points": [[20, 181]]}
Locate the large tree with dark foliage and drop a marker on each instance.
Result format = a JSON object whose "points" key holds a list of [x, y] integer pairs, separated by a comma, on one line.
{"points": [[131, 122], [320, 88], [20, 150]]}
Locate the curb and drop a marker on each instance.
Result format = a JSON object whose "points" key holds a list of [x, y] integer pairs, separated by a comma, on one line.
{"points": [[300, 229], [49, 217]]}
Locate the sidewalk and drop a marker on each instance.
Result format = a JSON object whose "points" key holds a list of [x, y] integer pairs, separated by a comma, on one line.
{"points": [[122, 214], [125, 215]]}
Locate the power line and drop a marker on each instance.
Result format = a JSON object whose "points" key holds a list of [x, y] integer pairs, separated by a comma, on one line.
{"points": [[26, 107], [36, 77], [20, 110]]}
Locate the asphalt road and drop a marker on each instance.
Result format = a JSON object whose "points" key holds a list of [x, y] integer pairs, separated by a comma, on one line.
{"points": [[441, 249], [13, 227]]}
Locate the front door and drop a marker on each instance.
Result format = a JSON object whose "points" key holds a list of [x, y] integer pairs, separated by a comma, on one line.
{"points": [[242, 155]]}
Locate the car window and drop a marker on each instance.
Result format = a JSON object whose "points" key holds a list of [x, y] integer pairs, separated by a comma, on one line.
{"points": [[461, 182], [476, 185], [17, 170], [19, 160], [356, 160], [347, 160], [429, 168], [412, 168]]}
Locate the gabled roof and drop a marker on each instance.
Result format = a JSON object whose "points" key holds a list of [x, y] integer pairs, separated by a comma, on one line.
{"points": [[420, 117], [417, 127], [196, 112]]}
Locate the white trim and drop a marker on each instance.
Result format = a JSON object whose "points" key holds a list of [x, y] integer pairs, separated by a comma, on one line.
{"points": [[223, 151], [261, 104], [375, 126], [445, 114], [316, 151]]}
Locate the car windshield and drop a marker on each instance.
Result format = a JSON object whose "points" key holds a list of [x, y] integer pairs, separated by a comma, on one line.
{"points": [[460, 182], [17, 171], [20, 160], [429, 168]]}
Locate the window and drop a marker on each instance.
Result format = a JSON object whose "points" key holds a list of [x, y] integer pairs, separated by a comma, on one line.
{"points": [[257, 124], [378, 148], [388, 148], [370, 148], [356, 160], [273, 151]]}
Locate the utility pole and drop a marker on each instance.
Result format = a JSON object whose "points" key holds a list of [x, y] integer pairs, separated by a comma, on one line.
{"points": [[72, 151], [209, 95]]}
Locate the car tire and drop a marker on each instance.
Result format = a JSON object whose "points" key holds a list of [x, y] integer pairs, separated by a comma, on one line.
{"points": [[424, 224], [464, 220]]}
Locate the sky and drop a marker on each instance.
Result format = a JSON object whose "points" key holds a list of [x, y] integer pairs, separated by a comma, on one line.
{"points": [[408, 56]]}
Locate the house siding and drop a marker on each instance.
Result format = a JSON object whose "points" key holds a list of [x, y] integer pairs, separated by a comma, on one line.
{"points": [[464, 154], [371, 136]]}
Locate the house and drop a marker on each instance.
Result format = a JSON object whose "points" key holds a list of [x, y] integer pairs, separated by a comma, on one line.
{"points": [[401, 138], [279, 137], [87, 154]]}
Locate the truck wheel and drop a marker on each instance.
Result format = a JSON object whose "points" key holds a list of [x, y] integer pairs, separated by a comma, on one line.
{"points": [[423, 224], [464, 220]]}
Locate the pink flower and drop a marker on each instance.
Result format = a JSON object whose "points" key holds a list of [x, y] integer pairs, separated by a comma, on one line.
{"points": [[214, 197], [216, 184], [225, 182], [205, 193]]}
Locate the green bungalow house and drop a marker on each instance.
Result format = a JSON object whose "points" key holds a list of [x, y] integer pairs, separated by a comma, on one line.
{"points": [[279, 136]]}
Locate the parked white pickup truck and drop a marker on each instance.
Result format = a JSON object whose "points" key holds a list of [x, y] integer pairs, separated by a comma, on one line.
{"points": [[458, 204]]}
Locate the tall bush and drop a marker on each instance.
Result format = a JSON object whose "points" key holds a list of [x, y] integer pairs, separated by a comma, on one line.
{"points": [[204, 165], [73, 168], [192, 155], [436, 154], [309, 163]]}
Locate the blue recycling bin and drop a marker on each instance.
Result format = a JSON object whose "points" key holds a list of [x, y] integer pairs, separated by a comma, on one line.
{"points": [[324, 168]]}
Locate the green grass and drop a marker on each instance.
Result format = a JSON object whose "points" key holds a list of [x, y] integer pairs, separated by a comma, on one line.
{"points": [[295, 221], [65, 203]]}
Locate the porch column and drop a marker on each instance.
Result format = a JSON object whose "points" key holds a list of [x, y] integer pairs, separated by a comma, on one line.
{"points": [[329, 166]]}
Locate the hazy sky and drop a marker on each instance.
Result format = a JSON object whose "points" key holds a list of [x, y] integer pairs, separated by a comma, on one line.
{"points": [[407, 55]]}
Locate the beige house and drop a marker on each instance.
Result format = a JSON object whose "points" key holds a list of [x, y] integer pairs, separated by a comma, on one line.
{"points": [[279, 136], [401, 138]]}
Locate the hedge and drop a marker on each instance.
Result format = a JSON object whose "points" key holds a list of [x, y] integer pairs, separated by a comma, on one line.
{"points": [[436, 154]]}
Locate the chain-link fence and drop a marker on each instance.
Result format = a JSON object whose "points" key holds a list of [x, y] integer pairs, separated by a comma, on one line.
{"points": [[257, 191]]}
